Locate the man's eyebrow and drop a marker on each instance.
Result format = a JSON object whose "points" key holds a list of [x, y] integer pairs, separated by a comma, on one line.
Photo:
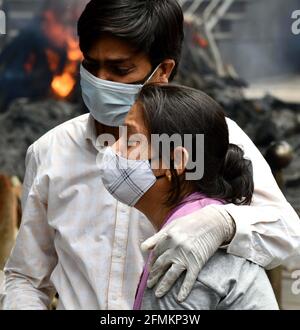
{"points": [[118, 60], [109, 60], [88, 58]]}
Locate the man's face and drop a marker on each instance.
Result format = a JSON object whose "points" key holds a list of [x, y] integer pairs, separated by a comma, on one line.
{"points": [[112, 59]]}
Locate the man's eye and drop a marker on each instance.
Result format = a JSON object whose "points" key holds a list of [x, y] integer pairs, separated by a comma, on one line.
{"points": [[121, 71], [90, 66]]}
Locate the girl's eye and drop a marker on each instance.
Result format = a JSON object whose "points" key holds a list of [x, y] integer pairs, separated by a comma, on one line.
{"points": [[132, 143]]}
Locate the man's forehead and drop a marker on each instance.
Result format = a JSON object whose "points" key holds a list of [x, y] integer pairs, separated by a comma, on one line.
{"points": [[109, 58], [111, 49]]}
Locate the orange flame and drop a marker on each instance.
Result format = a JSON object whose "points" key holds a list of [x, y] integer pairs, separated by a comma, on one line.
{"points": [[29, 64], [62, 85]]}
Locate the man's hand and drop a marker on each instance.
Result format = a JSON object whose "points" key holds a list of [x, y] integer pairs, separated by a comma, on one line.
{"points": [[186, 244]]}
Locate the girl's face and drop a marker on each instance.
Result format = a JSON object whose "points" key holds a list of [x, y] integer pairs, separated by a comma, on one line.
{"points": [[135, 141], [135, 144]]}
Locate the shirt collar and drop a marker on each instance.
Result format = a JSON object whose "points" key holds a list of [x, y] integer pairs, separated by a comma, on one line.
{"points": [[91, 133]]}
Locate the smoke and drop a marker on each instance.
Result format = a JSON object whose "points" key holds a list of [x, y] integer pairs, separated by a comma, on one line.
{"points": [[263, 44], [66, 10]]}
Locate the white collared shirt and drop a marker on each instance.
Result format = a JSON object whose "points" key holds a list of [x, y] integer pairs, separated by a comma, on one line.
{"points": [[76, 239]]}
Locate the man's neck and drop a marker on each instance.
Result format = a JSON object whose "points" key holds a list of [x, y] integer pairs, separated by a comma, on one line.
{"points": [[103, 129]]}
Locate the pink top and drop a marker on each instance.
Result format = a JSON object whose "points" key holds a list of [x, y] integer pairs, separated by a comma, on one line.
{"points": [[190, 204]]}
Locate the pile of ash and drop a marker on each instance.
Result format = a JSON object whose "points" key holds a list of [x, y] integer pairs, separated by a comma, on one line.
{"points": [[23, 123]]}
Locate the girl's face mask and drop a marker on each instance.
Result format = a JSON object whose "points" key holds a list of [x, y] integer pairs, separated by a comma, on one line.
{"points": [[108, 102], [125, 179]]}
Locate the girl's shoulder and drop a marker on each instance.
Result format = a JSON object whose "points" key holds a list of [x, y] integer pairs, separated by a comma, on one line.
{"points": [[238, 282]]}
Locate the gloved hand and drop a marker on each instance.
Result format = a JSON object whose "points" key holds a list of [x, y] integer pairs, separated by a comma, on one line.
{"points": [[186, 244]]}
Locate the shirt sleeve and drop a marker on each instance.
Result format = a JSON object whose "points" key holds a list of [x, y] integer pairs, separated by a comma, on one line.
{"points": [[268, 230], [28, 270]]}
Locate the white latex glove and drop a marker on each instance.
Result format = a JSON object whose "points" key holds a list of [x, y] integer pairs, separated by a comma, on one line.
{"points": [[186, 244]]}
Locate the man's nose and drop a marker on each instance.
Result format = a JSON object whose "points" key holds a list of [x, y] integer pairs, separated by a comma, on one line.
{"points": [[103, 74]]}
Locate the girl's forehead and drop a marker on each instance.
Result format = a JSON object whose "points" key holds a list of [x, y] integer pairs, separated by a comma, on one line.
{"points": [[135, 120]]}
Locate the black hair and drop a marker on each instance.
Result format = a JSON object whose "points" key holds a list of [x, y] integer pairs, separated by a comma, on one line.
{"points": [[172, 109], [154, 27]]}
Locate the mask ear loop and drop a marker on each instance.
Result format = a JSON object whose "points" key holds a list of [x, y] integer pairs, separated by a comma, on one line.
{"points": [[160, 176], [152, 74]]}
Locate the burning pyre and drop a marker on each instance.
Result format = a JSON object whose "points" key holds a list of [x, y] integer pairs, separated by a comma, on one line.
{"points": [[42, 61]]}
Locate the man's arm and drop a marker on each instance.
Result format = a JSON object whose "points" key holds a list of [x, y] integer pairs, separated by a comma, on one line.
{"points": [[266, 232], [28, 270]]}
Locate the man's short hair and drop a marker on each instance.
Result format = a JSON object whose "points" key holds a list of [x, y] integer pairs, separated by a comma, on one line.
{"points": [[154, 27]]}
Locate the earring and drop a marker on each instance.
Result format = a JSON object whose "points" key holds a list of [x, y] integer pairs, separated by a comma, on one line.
{"points": [[170, 178]]}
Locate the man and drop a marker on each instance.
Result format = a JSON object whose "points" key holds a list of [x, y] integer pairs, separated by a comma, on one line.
{"points": [[76, 239]]}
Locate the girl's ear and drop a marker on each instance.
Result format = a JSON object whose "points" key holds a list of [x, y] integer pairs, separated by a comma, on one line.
{"points": [[169, 175], [181, 158]]}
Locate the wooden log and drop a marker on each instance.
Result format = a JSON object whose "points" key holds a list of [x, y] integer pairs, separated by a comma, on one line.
{"points": [[279, 155], [9, 215], [275, 277]]}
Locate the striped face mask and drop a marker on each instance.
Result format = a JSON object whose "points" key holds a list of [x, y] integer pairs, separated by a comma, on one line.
{"points": [[125, 179]]}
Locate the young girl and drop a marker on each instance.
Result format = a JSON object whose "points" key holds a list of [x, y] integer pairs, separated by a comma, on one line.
{"points": [[157, 181]]}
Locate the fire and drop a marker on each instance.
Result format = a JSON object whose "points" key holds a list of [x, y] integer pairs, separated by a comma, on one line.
{"points": [[29, 64], [53, 59], [74, 53], [63, 84]]}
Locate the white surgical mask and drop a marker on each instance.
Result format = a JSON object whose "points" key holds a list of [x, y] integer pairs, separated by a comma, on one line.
{"points": [[108, 102], [125, 179]]}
